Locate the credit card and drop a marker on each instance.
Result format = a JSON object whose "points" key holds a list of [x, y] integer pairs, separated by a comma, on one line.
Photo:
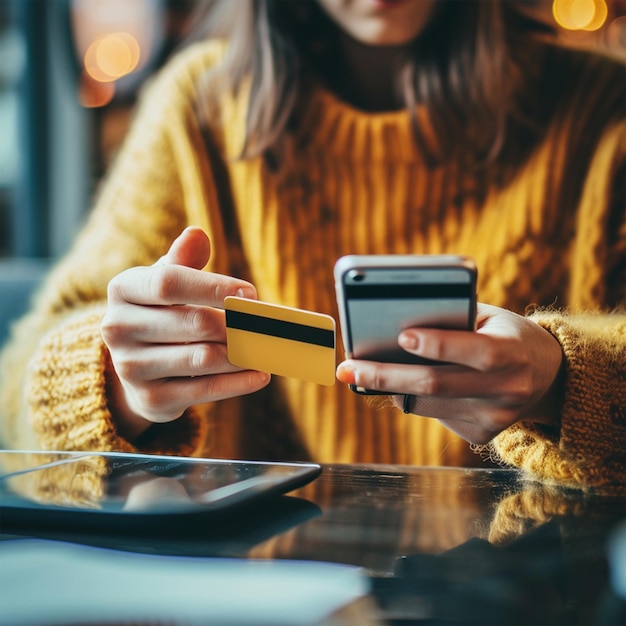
{"points": [[280, 340]]}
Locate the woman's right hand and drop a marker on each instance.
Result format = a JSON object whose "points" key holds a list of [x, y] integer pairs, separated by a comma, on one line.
{"points": [[165, 331]]}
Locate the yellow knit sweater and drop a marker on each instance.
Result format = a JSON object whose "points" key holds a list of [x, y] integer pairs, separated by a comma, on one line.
{"points": [[551, 235]]}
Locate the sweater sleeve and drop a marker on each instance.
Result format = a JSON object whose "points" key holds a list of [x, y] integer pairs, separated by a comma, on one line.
{"points": [[588, 451], [55, 366], [67, 395]]}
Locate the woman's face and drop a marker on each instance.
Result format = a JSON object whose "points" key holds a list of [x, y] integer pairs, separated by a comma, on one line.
{"points": [[380, 22]]}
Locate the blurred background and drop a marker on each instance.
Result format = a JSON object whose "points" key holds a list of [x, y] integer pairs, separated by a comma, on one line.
{"points": [[70, 71], [69, 75]]}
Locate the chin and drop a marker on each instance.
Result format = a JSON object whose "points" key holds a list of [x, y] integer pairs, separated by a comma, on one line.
{"points": [[383, 37]]}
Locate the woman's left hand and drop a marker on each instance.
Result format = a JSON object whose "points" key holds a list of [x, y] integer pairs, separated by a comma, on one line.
{"points": [[504, 372]]}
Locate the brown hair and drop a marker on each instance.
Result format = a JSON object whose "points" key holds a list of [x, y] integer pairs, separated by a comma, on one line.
{"points": [[462, 70]]}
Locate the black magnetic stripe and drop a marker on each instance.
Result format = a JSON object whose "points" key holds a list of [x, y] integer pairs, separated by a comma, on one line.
{"points": [[279, 328], [402, 292]]}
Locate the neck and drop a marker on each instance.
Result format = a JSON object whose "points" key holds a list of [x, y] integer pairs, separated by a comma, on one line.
{"points": [[368, 75]]}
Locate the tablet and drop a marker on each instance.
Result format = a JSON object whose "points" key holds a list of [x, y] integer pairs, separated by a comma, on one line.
{"points": [[106, 489]]}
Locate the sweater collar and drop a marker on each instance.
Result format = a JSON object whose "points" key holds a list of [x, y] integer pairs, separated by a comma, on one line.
{"points": [[342, 130]]}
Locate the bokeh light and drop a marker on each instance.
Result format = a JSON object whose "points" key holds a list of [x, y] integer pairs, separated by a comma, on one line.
{"points": [[93, 93], [112, 56], [599, 18], [580, 14], [115, 42]]}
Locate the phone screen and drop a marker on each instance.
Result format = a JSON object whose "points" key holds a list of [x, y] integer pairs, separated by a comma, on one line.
{"points": [[381, 303], [377, 303]]}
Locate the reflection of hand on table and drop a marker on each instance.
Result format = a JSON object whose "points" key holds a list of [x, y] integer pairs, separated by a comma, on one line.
{"points": [[145, 494]]}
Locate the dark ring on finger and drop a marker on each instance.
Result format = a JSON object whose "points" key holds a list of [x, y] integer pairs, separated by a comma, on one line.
{"points": [[408, 398]]}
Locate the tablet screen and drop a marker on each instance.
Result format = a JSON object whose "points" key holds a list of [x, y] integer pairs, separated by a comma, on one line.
{"points": [[138, 484]]}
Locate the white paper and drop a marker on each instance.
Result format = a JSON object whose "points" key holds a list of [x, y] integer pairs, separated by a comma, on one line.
{"points": [[45, 583]]}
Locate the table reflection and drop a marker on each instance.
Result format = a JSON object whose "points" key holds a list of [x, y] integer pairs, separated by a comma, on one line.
{"points": [[441, 545], [454, 546]]}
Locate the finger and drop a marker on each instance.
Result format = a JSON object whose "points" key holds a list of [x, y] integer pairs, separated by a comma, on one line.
{"points": [[175, 324], [171, 397], [475, 350], [473, 420], [158, 362], [438, 381], [191, 248], [174, 284]]}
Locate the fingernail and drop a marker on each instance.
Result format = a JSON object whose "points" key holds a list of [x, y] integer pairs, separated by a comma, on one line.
{"points": [[346, 374], [408, 342]]}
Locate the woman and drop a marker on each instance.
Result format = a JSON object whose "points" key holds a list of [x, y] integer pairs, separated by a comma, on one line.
{"points": [[294, 133]]}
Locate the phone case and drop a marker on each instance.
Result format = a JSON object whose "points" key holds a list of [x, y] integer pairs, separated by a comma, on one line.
{"points": [[380, 295]]}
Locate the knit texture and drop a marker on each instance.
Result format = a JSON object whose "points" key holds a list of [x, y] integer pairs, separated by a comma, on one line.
{"points": [[355, 183], [586, 452]]}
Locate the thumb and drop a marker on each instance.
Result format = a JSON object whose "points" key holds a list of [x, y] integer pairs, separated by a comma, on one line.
{"points": [[191, 248]]}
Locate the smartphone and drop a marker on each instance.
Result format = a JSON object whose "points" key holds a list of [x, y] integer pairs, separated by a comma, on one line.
{"points": [[380, 295]]}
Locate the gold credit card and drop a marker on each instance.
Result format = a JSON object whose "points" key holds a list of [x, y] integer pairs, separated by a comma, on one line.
{"points": [[280, 340]]}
